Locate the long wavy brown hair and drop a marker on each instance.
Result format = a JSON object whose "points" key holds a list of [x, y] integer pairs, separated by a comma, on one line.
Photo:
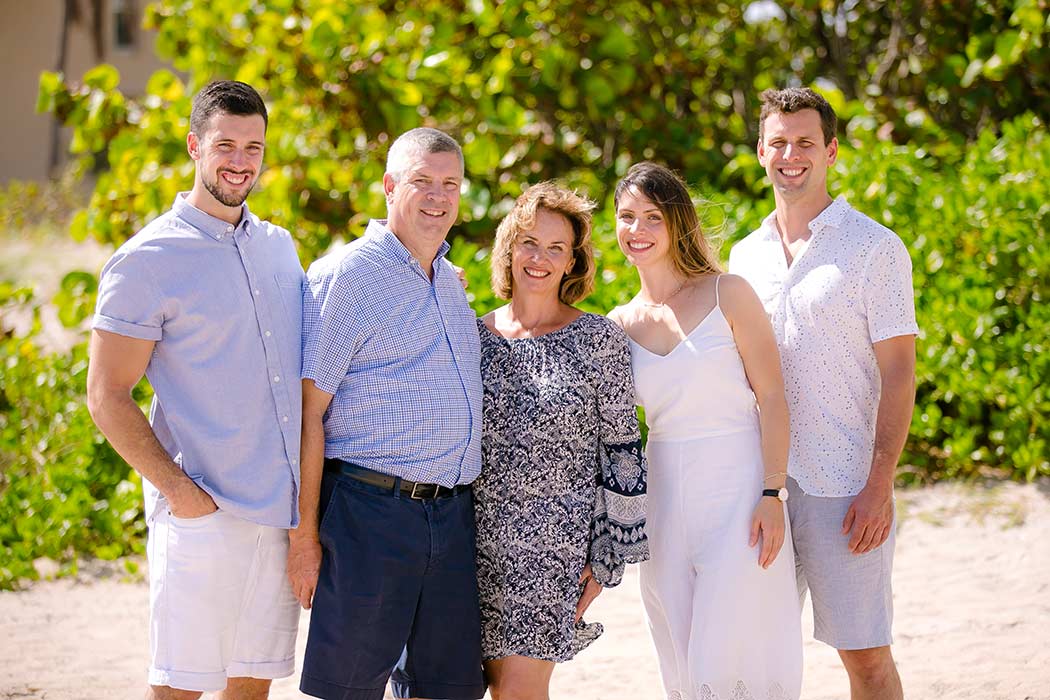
{"points": [[691, 252]]}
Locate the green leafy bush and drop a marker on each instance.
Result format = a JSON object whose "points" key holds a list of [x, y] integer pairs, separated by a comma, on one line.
{"points": [[976, 227], [977, 231], [537, 90], [36, 210], [534, 89], [976, 222], [64, 492]]}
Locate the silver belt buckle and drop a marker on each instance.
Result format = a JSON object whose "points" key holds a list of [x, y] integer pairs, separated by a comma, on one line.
{"points": [[416, 485]]}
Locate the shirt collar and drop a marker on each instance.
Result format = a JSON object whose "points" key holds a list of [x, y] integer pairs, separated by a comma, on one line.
{"points": [[832, 216], [769, 227], [206, 223], [392, 245]]}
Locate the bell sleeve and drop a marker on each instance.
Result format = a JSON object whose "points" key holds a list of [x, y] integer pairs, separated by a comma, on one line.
{"points": [[618, 522]]}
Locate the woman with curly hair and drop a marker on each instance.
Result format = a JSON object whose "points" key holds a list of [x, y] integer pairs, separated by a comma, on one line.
{"points": [[560, 504]]}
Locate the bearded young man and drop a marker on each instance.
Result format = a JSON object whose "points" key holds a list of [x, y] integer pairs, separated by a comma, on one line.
{"points": [[206, 302]]}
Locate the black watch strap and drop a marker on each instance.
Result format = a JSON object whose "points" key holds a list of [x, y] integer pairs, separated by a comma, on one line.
{"points": [[775, 493]]}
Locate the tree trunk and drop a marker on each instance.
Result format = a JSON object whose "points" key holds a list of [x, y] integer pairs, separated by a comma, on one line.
{"points": [[69, 15]]}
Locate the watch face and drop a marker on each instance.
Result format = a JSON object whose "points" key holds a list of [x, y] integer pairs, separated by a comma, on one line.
{"points": [[782, 494]]}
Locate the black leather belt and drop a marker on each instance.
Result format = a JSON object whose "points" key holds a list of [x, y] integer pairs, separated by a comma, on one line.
{"points": [[412, 489]]}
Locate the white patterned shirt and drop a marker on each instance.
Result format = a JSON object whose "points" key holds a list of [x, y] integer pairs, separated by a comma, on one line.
{"points": [[849, 288]]}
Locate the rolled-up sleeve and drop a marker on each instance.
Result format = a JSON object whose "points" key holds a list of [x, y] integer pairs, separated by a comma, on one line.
{"points": [[128, 303], [618, 524]]}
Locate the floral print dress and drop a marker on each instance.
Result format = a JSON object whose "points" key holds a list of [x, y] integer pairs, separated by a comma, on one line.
{"points": [[562, 483]]}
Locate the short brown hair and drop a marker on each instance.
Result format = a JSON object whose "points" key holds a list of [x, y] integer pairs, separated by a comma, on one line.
{"points": [[577, 282], [791, 100], [691, 252], [225, 96]]}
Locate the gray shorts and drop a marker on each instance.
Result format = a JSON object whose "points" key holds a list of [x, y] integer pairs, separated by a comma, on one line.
{"points": [[852, 596]]}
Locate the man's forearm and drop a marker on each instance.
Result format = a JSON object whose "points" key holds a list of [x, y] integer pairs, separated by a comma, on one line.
{"points": [[311, 466], [891, 426], [124, 425]]}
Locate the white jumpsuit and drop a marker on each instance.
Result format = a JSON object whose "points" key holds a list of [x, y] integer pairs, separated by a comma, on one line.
{"points": [[723, 627]]}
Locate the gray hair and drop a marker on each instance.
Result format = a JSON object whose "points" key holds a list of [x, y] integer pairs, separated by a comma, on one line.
{"points": [[422, 140]]}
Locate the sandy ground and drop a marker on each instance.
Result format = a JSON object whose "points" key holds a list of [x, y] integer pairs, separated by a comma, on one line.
{"points": [[972, 591]]}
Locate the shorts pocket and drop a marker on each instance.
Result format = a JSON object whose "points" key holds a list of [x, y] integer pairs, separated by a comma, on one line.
{"points": [[192, 522]]}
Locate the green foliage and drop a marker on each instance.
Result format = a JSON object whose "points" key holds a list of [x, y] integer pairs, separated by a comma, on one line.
{"points": [[64, 492], [978, 238], [534, 89], [38, 210], [930, 95], [976, 225]]}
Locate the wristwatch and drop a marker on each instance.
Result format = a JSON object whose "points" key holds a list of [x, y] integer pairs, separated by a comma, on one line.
{"points": [[779, 494]]}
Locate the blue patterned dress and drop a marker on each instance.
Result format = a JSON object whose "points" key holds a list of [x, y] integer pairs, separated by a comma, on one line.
{"points": [[562, 483]]}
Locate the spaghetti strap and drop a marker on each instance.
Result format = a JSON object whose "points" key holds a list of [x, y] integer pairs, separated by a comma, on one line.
{"points": [[717, 279]]}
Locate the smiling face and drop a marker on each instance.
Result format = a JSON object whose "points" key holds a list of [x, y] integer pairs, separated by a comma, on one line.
{"points": [[229, 156], [423, 202], [793, 152], [542, 255], [641, 229]]}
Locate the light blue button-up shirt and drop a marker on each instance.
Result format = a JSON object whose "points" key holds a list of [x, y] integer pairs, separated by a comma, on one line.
{"points": [[402, 357], [223, 304]]}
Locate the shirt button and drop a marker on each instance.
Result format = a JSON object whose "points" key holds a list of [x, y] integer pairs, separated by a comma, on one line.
{"points": [[267, 333], [257, 292], [295, 461], [229, 228], [285, 419], [277, 377]]}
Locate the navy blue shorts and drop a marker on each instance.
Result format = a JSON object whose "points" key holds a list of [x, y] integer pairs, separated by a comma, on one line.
{"points": [[397, 597]]}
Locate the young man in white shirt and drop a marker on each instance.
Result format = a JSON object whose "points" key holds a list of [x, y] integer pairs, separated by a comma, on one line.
{"points": [[837, 288]]}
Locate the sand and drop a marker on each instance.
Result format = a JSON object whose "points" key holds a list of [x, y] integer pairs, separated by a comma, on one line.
{"points": [[972, 595]]}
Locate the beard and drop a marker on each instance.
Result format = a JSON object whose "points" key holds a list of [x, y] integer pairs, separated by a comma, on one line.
{"points": [[230, 199]]}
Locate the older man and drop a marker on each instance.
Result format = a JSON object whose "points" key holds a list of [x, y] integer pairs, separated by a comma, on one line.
{"points": [[206, 301], [391, 442], [837, 287]]}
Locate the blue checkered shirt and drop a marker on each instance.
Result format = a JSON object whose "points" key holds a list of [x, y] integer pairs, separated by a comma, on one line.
{"points": [[400, 355]]}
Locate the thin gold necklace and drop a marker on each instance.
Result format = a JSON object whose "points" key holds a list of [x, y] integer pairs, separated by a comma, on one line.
{"points": [[668, 298]]}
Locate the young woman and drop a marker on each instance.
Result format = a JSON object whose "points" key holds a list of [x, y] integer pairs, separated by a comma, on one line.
{"points": [[560, 504], [719, 589]]}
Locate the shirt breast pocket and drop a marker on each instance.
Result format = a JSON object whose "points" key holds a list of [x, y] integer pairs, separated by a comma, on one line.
{"points": [[290, 289]]}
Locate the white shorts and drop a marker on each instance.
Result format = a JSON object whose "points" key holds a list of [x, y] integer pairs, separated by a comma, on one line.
{"points": [[221, 605]]}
